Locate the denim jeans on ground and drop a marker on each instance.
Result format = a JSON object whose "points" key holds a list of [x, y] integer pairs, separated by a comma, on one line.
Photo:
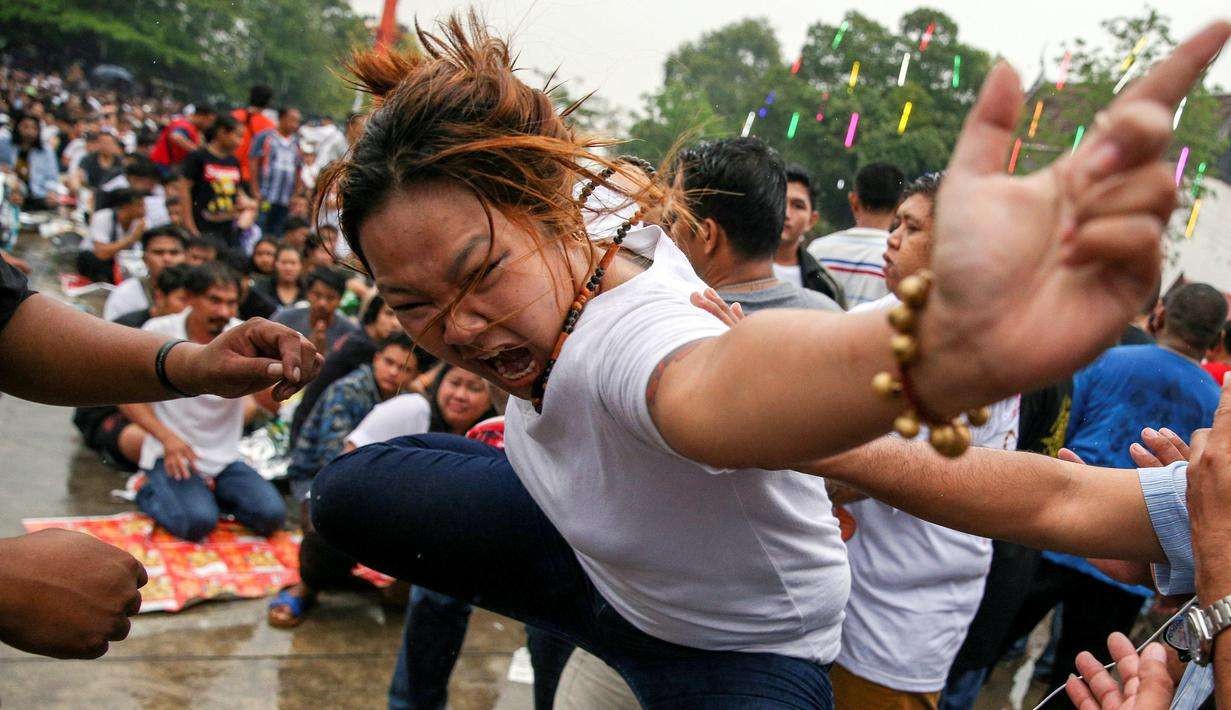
{"points": [[963, 689], [450, 514], [189, 510]]}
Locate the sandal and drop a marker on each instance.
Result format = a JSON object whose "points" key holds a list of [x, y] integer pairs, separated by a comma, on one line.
{"points": [[296, 608]]}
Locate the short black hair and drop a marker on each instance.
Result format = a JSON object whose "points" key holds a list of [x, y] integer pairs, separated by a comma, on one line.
{"points": [[214, 273], [165, 231], [373, 310], [1226, 338], [332, 278], [121, 197], [293, 223], [239, 261], [740, 183], [879, 186], [283, 110], [400, 339], [224, 122], [800, 174], [260, 95], [1196, 313], [172, 278], [139, 166], [205, 109], [205, 242]]}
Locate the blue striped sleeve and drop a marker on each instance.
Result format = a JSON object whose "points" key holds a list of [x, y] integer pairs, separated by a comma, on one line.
{"points": [[1166, 495]]}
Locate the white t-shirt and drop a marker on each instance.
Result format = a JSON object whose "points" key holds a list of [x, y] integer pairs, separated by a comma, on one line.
{"points": [[403, 415], [915, 586], [211, 425], [103, 229], [790, 274], [856, 259], [156, 214], [129, 296], [736, 560]]}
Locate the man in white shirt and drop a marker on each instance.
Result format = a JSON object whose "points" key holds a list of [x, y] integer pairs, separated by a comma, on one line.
{"points": [[111, 231], [160, 247], [854, 256], [191, 455], [915, 586]]}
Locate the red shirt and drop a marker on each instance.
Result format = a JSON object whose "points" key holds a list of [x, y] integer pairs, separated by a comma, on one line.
{"points": [[253, 124], [165, 152], [1217, 370]]}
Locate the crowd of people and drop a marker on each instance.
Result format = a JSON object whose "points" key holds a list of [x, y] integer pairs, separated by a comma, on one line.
{"points": [[727, 480]]}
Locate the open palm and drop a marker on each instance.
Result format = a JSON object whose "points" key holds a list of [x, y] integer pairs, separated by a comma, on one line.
{"points": [[1036, 275]]}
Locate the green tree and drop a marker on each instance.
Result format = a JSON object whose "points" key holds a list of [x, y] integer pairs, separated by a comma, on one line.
{"points": [[710, 86]]}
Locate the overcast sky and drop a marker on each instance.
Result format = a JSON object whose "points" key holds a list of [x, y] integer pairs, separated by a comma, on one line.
{"points": [[618, 48]]}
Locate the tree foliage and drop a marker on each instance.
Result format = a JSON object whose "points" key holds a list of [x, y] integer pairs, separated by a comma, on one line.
{"points": [[201, 48], [711, 84]]}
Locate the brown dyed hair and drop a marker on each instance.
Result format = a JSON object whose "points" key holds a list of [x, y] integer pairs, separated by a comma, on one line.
{"points": [[459, 112]]}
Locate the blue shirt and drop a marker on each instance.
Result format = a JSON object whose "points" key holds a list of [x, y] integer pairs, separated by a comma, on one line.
{"points": [[280, 170], [338, 411], [1126, 390], [1166, 494]]}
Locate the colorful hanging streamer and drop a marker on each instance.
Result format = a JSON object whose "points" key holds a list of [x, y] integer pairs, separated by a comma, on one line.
{"points": [[927, 37], [837, 38], [1179, 111], [1064, 70], [1081, 131], [906, 109], [1198, 180], [854, 75], [850, 130], [790, 131], [798, 63], [1192, 219], [902, 71], [1179, 166], [1034, 122], [1017, 149], [957, 70], [748, 124]]}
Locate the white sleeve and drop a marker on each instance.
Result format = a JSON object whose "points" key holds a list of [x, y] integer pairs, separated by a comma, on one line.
{"points": [[403, 415], [100, 229], [631, 349]]}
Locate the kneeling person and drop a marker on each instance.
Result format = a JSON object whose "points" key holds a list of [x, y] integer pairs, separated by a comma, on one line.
{"points": [[191, 455]]}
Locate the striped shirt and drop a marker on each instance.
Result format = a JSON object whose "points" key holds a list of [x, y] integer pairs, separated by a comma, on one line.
{"points": [[855, 258], [1166, 494], [280, 160]]}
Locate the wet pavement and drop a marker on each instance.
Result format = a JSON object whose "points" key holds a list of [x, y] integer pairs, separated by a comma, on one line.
{"points": [[223, 654]]}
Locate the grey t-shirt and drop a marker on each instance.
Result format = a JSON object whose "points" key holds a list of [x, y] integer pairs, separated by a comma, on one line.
{"points": [[297, 319], [780, 295]]}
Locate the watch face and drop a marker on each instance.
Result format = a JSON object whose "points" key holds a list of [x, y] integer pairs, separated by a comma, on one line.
{"points": [[1177, 635]]}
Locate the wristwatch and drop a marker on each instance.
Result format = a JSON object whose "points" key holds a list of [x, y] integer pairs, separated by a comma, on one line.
{"points": [[1193, 634]]}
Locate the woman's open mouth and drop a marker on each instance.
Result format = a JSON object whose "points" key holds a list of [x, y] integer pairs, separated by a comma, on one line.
{"points": [[513, 366]]}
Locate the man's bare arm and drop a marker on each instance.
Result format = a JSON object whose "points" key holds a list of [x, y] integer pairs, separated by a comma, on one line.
{"points": [[1025, 498]]}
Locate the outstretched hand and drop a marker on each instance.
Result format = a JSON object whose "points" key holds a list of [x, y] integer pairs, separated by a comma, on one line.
{"points": [[1071, 251], [246, 359]]}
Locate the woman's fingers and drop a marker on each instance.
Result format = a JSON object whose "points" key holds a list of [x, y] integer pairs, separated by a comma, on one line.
{"points": [[1102, 685], [1142, 458]]}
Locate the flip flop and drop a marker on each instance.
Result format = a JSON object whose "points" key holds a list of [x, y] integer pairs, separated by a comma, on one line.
{"points": [[297, 606]]}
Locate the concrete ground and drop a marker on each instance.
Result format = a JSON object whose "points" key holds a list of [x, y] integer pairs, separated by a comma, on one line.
{"points": [[223, 654]]}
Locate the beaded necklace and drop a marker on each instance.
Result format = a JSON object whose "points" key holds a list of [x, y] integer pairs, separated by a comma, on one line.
{"points": [[592, 286]]}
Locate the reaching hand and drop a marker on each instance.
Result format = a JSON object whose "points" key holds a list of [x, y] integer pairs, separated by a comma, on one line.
{"points": [[1071, 251], [710, 302], [65, 594], [1146, 683], [246, 359], [1161, 448], [179, 458]]}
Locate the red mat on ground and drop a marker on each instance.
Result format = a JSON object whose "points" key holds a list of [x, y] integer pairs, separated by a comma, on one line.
{"points": [[232, 562]]}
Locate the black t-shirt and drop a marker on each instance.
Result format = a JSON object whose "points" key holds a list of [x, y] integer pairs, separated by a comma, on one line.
{"points": [[215, 186], [257, 305], [96, 175], [13, 290], [352, 351], [134, 319]]}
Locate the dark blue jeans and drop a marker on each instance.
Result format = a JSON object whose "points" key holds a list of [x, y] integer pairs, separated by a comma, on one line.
{"points": [[189, 510], [450, 514], [272, 219]]}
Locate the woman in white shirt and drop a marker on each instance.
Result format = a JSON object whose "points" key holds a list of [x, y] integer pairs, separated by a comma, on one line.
{"points": [[646, 514]]}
